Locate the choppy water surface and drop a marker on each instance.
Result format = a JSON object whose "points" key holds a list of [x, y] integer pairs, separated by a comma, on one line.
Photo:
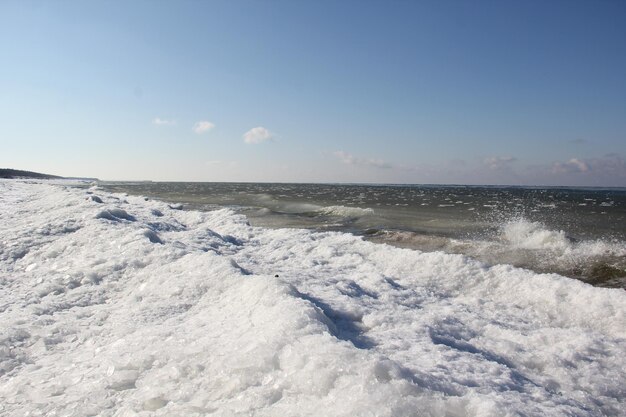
{"points": [[577, 232]]}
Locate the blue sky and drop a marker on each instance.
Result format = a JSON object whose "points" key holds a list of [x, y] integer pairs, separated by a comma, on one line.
{"points": [[478, 92]]}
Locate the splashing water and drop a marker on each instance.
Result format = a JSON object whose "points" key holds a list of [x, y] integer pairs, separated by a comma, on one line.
{"points": [[525, 234]]}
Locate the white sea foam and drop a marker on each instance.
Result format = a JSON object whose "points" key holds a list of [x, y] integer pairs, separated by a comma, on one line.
{"points": [[167, 312], [345, 211], [524, 234], [528, 244]]}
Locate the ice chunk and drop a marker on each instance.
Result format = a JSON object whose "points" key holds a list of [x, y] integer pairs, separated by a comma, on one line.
{"points": [[152, 236], [153, 404], [115, 214], [121, 380]]}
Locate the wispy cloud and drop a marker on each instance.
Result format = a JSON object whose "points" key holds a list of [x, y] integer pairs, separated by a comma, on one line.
{"points": [[163, 122], [572, 166], [257, 135], [608, 170], [202, 126], [499, 162], [610, 164], [350, 159]]}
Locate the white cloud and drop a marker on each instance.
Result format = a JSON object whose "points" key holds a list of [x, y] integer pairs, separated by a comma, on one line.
{"points": [[257, 135], [350, 159], [606, 170], [345, 157], [499, 162], [571, 166], [202, 126], [163, 122]]}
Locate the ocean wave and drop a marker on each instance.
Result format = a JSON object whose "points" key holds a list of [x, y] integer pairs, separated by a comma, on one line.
{"points": [[344, 211], [207, 315], [525, 234], [521, 233], [596, 261], [527, 244]]}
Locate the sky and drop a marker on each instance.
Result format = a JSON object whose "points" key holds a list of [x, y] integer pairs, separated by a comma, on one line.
{"points": [[423, 92]]}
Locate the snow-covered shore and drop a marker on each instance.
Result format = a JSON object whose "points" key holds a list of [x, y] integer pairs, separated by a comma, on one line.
{"points": [[114, 305]]}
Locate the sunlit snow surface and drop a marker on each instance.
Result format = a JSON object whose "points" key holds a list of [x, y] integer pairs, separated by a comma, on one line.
{"points": [[112, 305]]}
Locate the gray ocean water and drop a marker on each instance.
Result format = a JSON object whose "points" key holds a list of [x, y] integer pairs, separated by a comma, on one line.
{"points": [[576, 232]]}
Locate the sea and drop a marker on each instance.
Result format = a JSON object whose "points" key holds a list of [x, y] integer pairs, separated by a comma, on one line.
{"points": [[576, 232]]}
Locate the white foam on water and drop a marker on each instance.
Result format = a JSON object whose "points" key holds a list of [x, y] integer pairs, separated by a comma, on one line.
{"points": [[524, 234], [345, 211], [531, 245], [153, 311]]}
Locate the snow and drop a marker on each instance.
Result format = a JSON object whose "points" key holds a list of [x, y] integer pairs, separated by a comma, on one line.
{"points": [[112, 305]]}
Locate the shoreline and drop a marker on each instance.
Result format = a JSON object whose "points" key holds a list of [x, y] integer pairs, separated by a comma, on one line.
{"points": [[542, 233]]}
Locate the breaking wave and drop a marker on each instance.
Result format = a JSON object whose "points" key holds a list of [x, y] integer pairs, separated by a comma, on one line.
{"points": [[347, 212], [531, 245], [533, 235]]}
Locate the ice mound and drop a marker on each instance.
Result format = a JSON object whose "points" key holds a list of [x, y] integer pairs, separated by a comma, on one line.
{"points": [[152, 236], [115, 214], [97, 319]]}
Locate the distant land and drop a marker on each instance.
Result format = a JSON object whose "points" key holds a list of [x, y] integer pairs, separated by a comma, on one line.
{"points": [[16, 173]]}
